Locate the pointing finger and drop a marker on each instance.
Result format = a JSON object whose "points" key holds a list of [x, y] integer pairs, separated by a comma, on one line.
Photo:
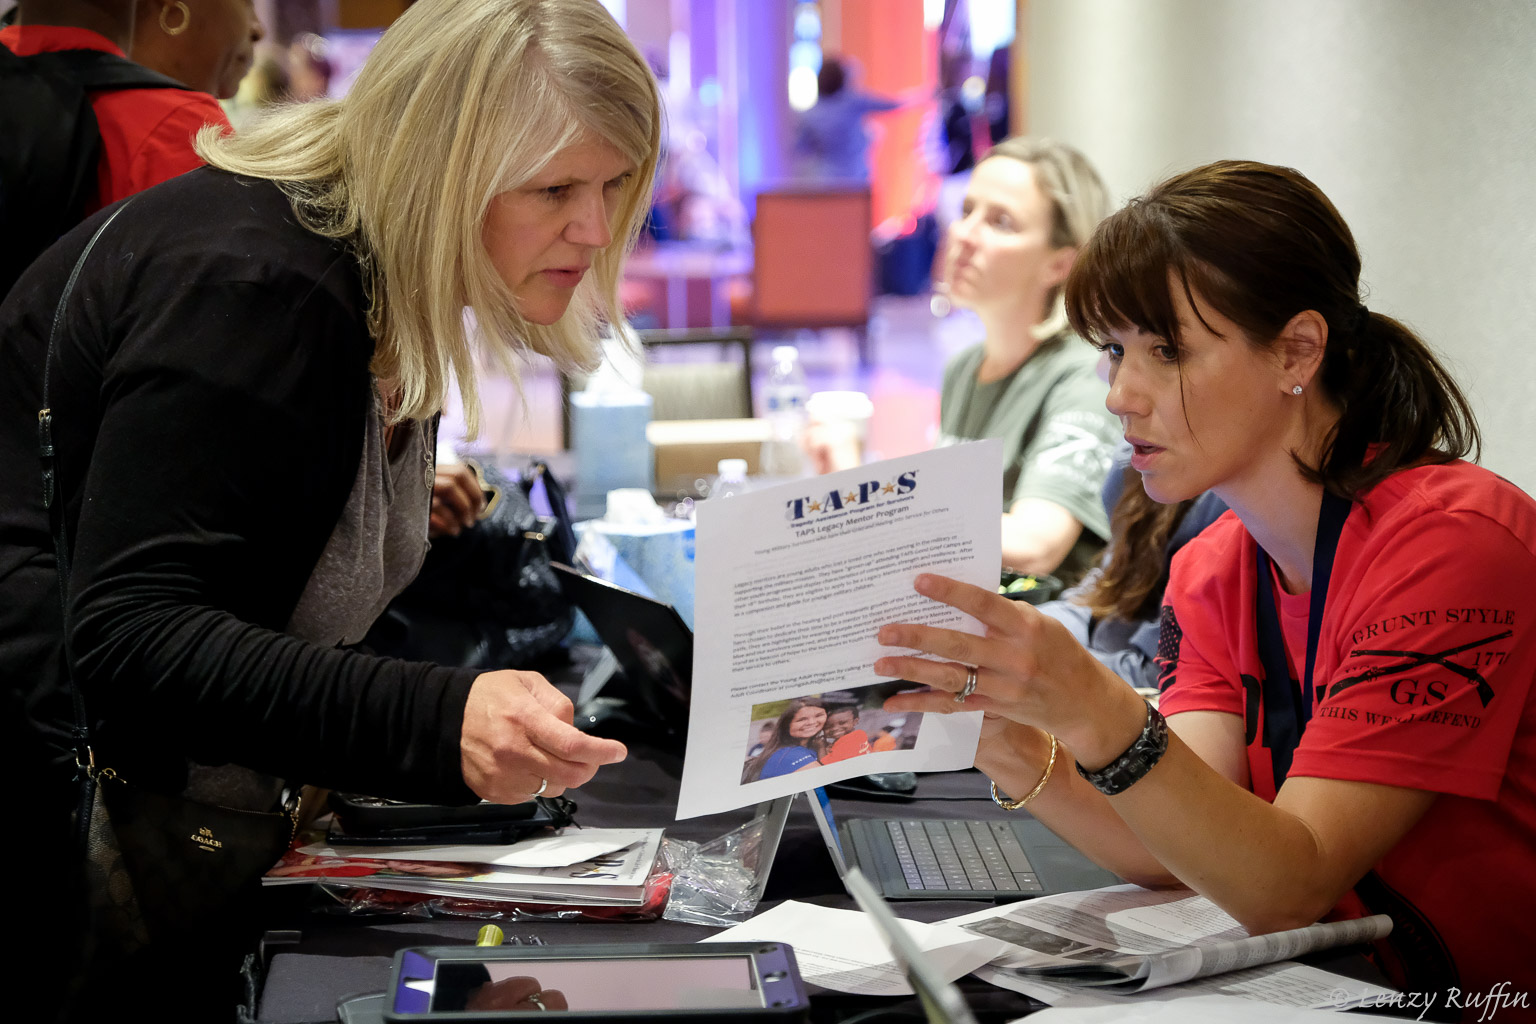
{"points": [[985, 606]]}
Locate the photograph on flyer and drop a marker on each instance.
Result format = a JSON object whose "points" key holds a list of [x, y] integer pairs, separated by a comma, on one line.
{"points": [[818, 729]]}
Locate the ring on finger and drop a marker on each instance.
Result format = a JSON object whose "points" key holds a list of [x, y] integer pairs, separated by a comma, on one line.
{"points": [[970, 685], [536, 1000], [543, 785]]}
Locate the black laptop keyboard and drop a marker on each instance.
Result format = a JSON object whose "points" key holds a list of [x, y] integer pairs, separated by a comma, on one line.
{"points": [[962, 855]]}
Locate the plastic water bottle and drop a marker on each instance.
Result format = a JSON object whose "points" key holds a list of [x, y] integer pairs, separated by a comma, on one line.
{"points": [[784, 403], [732, 478]]}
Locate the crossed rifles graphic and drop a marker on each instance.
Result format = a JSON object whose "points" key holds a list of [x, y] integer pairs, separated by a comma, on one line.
{"points": [[1418, 658]]}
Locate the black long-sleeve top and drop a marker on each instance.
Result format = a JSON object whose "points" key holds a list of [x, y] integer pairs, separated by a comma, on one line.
{"points": [[209, 394]]}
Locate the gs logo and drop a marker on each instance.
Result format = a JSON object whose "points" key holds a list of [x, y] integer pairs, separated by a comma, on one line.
{"points": [[1418, 691]]}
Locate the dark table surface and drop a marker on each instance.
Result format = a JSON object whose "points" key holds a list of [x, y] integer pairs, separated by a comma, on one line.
{"points": [[315, 959], [319, 958]]}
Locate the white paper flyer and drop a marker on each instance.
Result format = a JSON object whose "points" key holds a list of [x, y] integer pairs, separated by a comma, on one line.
{"points": [[845, 950], [793, 581]]}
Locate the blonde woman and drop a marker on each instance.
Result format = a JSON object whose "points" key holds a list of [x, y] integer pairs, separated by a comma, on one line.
{"points": [[1031, 204], [1031, 382], [244, 395]]}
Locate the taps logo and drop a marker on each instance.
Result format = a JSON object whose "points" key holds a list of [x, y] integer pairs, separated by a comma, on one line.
{"points": [[800, 510], [205, 841]]}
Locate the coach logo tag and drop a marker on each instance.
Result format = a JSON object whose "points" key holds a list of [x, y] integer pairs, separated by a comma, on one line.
{"points": [[205, 841]]}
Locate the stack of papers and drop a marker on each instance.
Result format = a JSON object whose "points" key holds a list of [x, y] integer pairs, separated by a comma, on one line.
{"points": [[574, 866]]}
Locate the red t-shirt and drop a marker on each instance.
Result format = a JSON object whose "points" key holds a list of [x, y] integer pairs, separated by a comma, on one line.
{"points": [[1424, 669], [848, 745], [146, 134]]}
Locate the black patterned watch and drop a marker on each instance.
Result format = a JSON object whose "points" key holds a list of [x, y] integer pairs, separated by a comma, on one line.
{"points": [[1138, 759]]}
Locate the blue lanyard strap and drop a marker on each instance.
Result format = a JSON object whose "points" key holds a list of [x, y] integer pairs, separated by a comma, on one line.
{"points": [[1287, 708]]}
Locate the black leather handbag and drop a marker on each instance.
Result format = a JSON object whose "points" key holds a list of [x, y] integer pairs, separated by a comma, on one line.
{"points": [[158, 867], [488, 598], [165, 868]]}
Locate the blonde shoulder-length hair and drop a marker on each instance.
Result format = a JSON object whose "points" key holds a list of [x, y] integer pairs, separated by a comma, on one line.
{"points": [[1078, 198], [461, 100]]}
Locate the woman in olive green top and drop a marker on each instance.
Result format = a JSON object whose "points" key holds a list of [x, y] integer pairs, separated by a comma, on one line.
{"points": [[1031, 382]]}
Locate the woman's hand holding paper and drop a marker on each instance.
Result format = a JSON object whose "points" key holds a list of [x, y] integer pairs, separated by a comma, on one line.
{"points": [[1029, 670]]}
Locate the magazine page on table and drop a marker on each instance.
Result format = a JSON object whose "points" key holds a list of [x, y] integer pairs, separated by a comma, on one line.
{"points": [[1132, 939], [792, 583]]}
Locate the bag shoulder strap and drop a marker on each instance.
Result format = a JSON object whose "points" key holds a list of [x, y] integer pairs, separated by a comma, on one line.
{"points": [[52, 493], [561, 531]]}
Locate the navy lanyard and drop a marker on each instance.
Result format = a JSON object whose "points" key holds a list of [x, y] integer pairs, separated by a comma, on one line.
{"points": [[1287, 709]]}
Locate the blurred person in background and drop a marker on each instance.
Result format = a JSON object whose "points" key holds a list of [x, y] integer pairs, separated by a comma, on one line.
{"points": [[265, 85], [309, 68], [1030, 382], [1114, 611], [832, 138], [208, 45], [694, 199], [136, 133]]}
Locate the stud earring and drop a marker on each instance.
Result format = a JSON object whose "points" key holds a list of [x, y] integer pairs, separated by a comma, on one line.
{"points": [[1296, 390]]}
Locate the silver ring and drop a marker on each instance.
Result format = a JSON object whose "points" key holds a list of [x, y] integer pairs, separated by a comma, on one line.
{"points": [[543, 785], [970, 686], [533, 997]]}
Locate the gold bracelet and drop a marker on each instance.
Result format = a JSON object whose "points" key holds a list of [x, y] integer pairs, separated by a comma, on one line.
{"points": [[1012, 805]]}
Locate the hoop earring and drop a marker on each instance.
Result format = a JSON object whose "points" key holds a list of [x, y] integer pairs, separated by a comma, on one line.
{"points": [[186, 18]]}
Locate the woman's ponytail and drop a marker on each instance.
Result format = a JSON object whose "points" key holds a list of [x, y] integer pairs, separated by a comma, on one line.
{"points": [[1399, 406]]}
